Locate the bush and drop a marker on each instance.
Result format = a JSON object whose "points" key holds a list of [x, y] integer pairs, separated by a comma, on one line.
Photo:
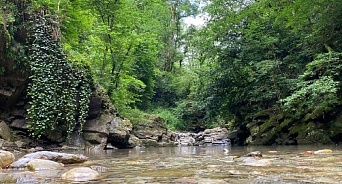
{"points": [[171, 119]]}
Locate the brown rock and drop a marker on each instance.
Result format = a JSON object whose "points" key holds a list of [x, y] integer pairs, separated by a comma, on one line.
{"points": [[6, 158], [254, 154], [80, 174], [40, 164]]}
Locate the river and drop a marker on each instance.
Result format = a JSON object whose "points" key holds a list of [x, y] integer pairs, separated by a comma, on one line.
{"points": [[211, 164]]}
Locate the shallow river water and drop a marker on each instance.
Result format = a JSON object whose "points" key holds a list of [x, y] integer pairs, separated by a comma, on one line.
{"points": [[211, 164]]}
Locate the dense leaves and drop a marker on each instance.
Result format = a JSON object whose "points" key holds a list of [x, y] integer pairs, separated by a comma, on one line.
{"points": [[269, 69], [56, 85], [276, 71]]}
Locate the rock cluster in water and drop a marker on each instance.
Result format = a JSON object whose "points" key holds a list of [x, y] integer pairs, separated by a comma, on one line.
{"points": [[34, 167], [207, 137]]}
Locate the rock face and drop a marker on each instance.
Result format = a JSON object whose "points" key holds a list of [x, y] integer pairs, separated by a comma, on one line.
{"points": [[80, 174], [6, 158], [119, 133], [64, 158], [12, 81], [153, 132], [104, 125]]}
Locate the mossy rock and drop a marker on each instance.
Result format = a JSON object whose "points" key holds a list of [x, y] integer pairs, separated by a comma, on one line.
{"points": [[149, 143], [4, 36], [5, 131], [285, 123], [263, 114]]}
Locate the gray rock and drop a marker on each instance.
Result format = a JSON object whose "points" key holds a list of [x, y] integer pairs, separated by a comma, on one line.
{"points": [[94, 138], [76, 141], [95, 107], [154, 130], [207, 137], [19, 124], [99, 125], [80, 174], [64, 158]]}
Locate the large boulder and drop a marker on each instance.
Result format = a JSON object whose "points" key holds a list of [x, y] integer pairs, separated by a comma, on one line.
{"points": [[41, 164], [100, 125], [104, 125], [119, 133], [153, 129], [6, 158], [80, 174], [64, 158]]}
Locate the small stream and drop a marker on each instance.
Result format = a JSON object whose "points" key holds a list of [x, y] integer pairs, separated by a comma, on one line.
{"points": [[210, 164]]}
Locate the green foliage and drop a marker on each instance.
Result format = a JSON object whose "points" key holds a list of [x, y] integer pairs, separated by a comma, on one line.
{"points": [[317, 92], [56, 85], [260, 58], [257, 64], [314, 98], [127, 94], [136, 116], [144, 69], [172, 120], [5, 38], [317, 21]]}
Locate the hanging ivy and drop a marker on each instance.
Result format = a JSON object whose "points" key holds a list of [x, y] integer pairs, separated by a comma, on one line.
{"points": [[59, 91]]}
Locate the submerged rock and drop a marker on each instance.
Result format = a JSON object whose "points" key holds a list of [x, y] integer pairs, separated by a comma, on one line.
{"points": [[80, 174], [64, 158], [251, 161], [254, 154], [40, 164], [19, 177], [6, 158], [324, 151]]}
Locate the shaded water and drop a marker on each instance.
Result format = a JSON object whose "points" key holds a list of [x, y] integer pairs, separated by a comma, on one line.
{"points": [[284, 164]]}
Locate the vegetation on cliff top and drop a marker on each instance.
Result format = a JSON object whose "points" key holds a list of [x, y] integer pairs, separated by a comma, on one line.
{"points": [[269, 69]]}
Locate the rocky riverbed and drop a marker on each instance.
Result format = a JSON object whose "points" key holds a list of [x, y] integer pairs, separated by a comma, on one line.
{"points": [[36, 167], [181, 164]]}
